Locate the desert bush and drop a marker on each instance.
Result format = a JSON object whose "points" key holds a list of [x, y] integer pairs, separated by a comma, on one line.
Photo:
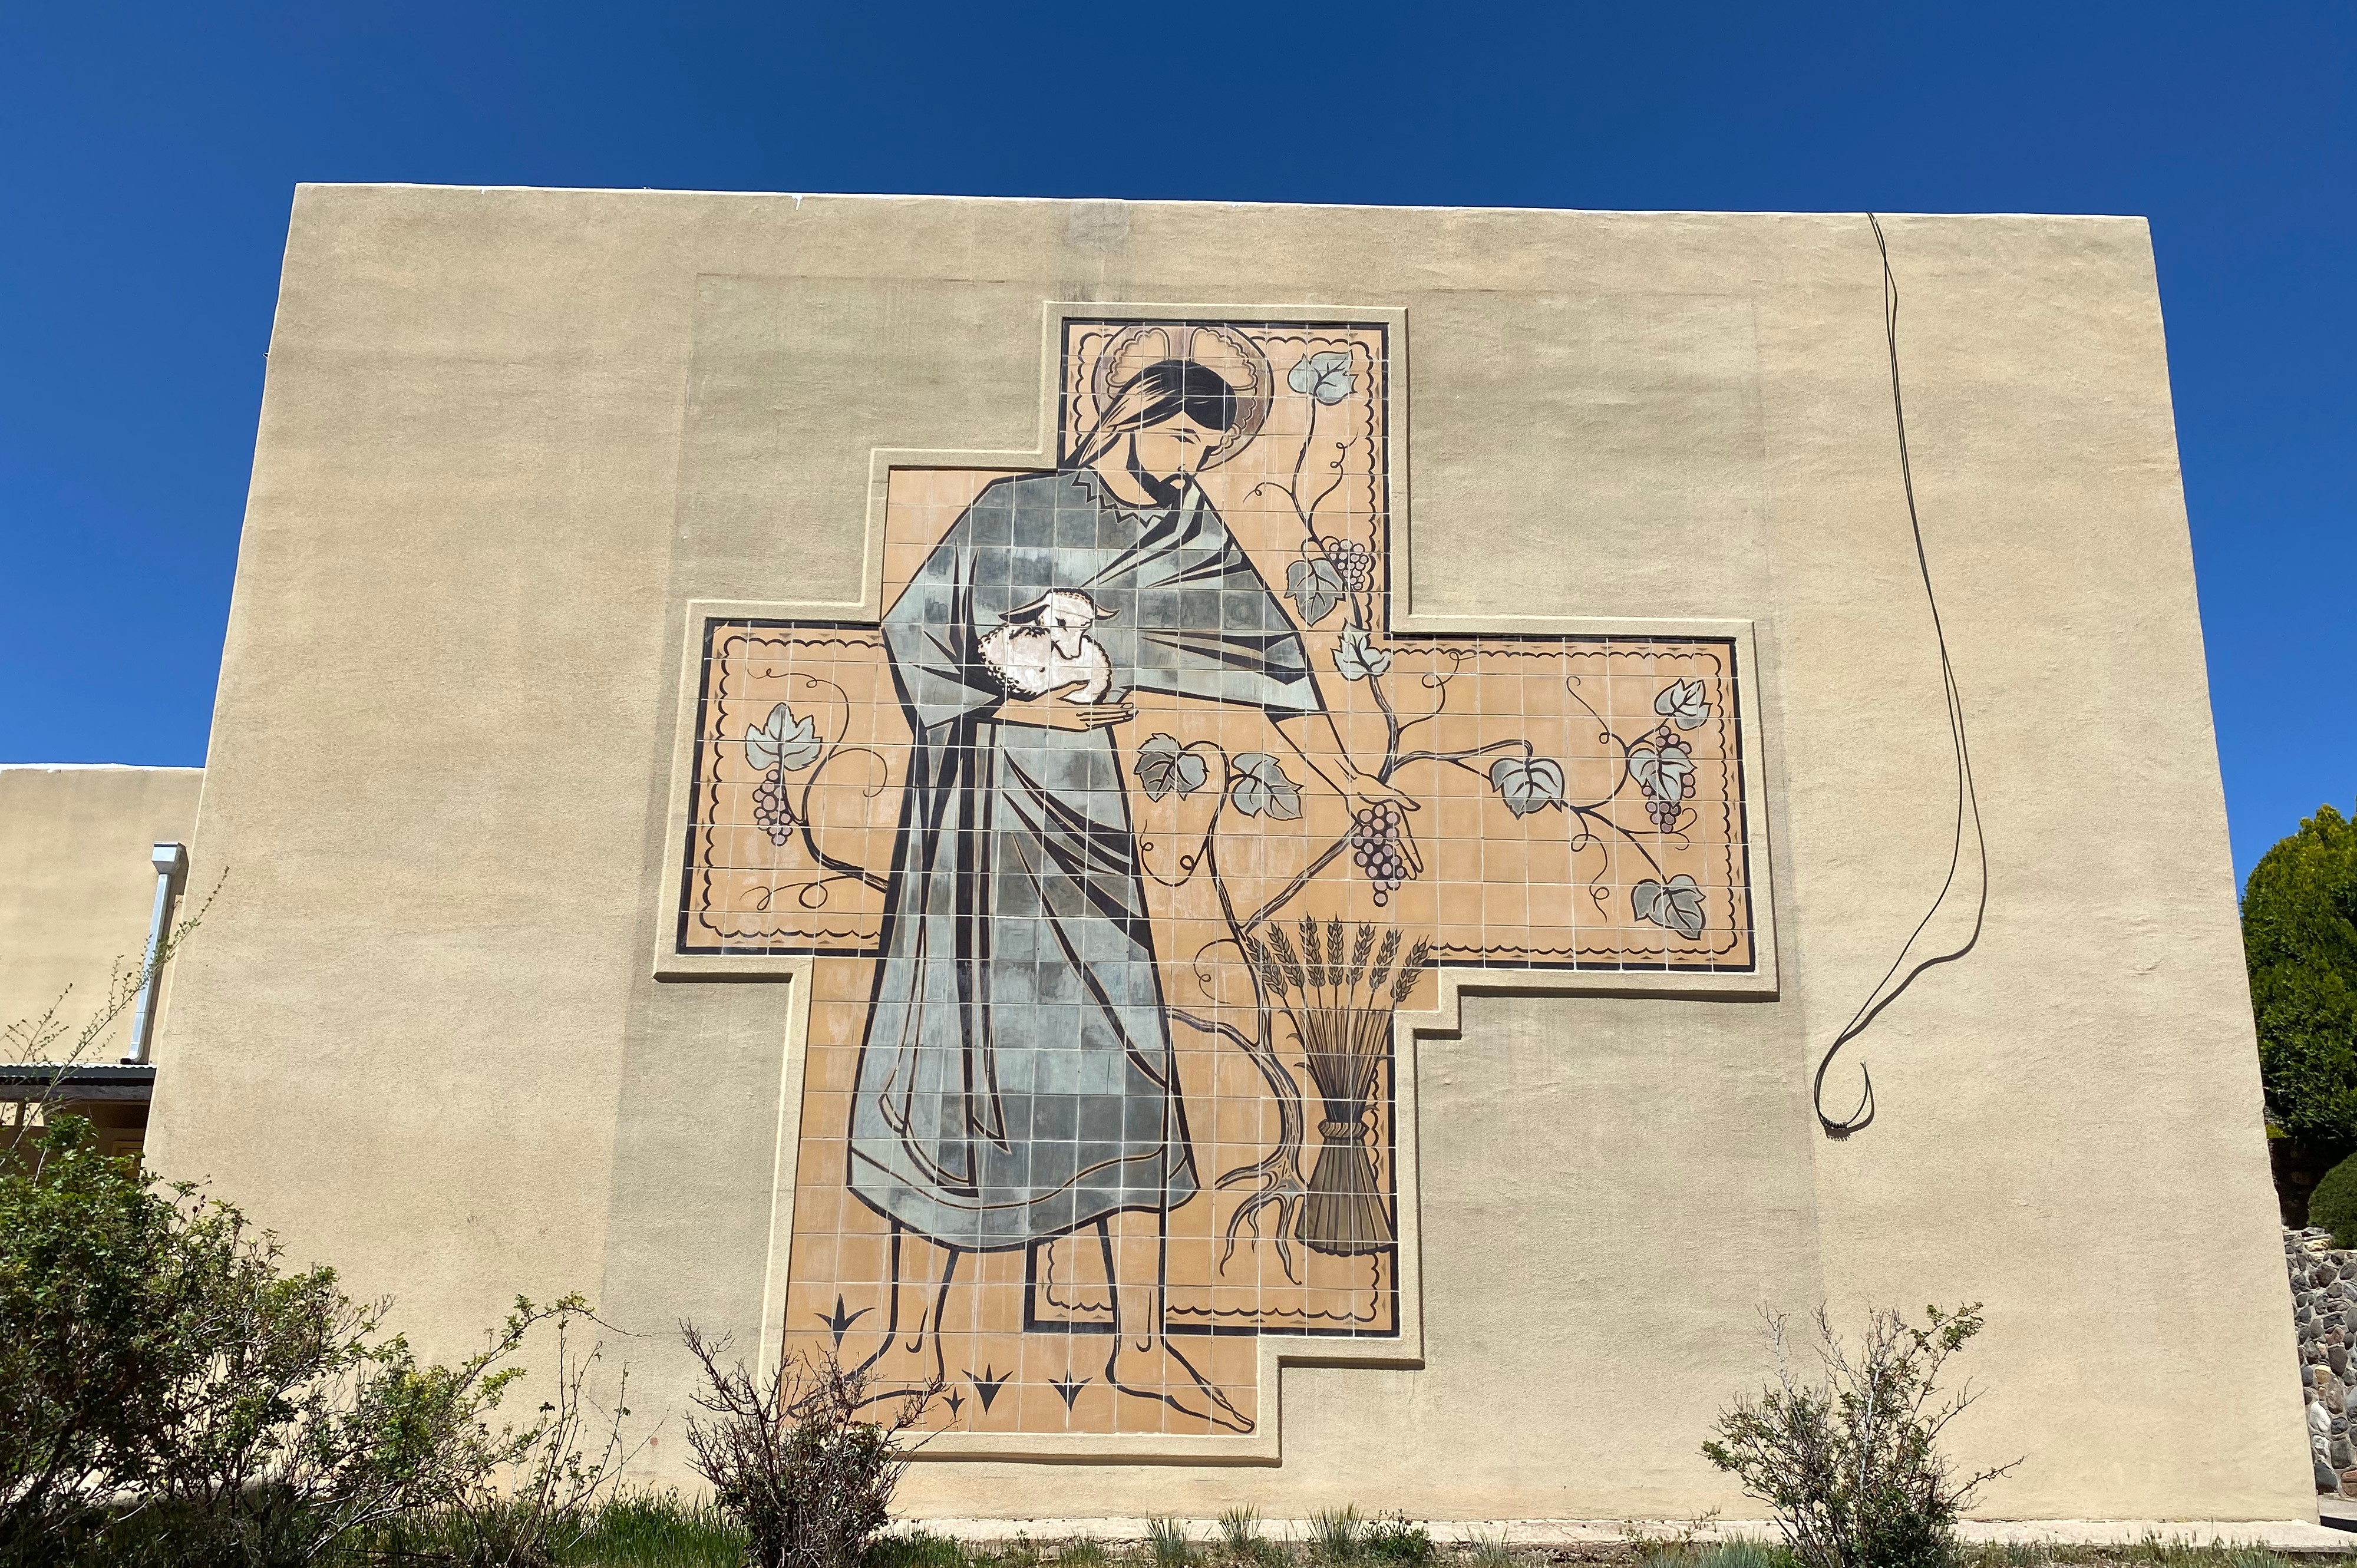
{"points": [[1850, 1465], [169, 1393], [793, 1458], [1391, 1539], [538, 1496], [89, 1300], [305, 1427]]}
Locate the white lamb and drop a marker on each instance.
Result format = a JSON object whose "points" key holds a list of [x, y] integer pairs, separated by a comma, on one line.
{"points": [[1046, 645]]}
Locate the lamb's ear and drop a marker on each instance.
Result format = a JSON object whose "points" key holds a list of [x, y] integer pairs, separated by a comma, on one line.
{"points": [[1102, 613], [1028, 615]]}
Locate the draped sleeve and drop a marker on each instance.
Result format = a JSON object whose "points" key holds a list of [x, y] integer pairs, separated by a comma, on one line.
{"points": [[930, 631]]}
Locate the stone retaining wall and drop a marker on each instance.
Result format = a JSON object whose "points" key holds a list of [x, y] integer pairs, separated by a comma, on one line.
{"points": [[2324, 1302]]}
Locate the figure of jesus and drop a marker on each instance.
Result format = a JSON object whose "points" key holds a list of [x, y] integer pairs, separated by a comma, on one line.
{"points": [[1017, 1081]]}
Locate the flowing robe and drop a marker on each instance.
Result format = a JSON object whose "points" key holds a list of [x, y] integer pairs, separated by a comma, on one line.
{"points": [[1016, 1080]]}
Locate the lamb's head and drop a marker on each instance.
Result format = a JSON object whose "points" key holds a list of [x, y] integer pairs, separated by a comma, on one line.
{"points": [[1065, 615]]}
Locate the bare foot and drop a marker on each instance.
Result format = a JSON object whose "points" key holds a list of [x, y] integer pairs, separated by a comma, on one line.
{"points": [[1157, 1371]]}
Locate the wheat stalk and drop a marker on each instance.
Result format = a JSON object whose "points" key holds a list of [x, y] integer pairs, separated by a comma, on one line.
{"points": [[1383, 956], [1411, 972], [1285, 958]]}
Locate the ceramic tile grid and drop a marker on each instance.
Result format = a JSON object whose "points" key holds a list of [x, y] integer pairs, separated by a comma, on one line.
{"points": [[1099, 1072]]}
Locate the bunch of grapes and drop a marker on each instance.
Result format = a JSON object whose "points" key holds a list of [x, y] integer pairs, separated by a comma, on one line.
{"points": [[1375, 849], [1664, 813], [771, 813], [1354, 559]]}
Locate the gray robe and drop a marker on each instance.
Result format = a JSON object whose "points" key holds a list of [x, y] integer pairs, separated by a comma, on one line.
{"points": [[1016, 1080]]}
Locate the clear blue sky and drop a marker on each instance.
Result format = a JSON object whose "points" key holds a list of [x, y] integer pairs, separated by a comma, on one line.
{"points": [[148, 155]]}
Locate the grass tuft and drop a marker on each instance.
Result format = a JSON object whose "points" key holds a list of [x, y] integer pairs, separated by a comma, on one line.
{"points": [[1166, 1540], [917, 1549], [1336, 1534], [1485, 1548], [658, 1529], [663, 1529]]}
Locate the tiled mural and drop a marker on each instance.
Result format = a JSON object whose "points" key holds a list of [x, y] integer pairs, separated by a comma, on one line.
{"points": [[1121, 843]]}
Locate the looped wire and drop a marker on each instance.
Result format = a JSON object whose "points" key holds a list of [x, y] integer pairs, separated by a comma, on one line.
{"points": [[1893, 983]]}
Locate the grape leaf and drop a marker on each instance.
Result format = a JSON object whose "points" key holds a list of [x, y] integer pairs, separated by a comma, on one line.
{"points": [[780, 741], [1163, 764], [1262, 788], [1325, 377], [1357, 658], [1667, 772], [1676, 904], [1682, 704], [1527, 784], [1314, 586]]}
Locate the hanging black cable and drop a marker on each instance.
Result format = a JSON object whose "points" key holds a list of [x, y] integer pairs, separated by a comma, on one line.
{"points": [[1893, 983]]}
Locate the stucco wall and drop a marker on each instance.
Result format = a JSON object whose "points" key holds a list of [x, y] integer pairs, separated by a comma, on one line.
{"points": [[443, 756], [76, 886]]}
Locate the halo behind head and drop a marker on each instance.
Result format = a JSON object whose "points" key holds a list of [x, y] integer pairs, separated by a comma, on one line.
{"points": [[1225, 351]]}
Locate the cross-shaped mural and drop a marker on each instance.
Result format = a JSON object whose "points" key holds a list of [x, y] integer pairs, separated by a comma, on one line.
{"points": [[1118, 845]]}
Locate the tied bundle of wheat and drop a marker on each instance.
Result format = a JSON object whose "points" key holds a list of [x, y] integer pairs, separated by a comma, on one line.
{"points": [[1341, 1005]]}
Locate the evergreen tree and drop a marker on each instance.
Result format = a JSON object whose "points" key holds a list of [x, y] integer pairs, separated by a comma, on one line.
{"points": [[2299, 938]]}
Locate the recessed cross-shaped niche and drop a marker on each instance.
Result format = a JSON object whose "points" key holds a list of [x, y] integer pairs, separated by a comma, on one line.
{"points": [[1120, 842]]}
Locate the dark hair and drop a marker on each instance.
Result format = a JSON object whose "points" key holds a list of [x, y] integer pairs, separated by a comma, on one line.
{"points": [[1162, 391]]}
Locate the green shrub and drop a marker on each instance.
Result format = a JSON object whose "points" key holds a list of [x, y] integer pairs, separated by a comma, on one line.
{"points": [[1392, 1538], [2299, 940], [1850, 1466], [2333, 1205], [167, 1394], [97, 1273]]}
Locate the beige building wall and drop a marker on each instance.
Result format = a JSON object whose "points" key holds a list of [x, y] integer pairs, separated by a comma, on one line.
{"points": [[77, 888], [508, 436]]}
